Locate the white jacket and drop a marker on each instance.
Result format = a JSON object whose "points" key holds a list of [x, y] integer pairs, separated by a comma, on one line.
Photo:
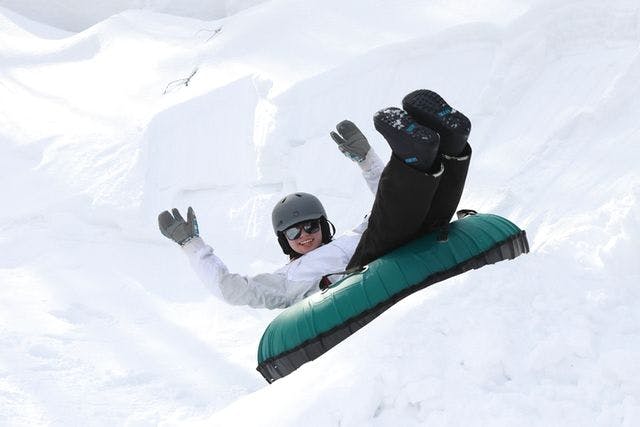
{"points": [[291, 283]]}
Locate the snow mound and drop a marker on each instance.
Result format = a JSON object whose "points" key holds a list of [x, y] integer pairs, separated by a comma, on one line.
{"points": [[77, 15], [102, 321]]}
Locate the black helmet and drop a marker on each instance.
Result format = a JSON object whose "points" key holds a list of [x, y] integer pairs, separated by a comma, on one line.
{"points": [[295, 208]]}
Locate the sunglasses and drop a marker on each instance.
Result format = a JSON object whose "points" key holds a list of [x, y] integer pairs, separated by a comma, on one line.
{"points": [[310, 227]]}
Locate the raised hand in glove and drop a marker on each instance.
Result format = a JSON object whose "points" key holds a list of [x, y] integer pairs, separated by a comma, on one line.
{"points": [[351, 141], [176, 228]]}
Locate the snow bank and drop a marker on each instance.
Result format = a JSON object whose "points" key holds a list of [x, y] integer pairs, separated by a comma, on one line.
{"points": [[78, 15], [102, 321]]}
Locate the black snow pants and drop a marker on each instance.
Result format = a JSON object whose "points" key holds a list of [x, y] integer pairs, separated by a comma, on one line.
{"points": [[410, 203]]}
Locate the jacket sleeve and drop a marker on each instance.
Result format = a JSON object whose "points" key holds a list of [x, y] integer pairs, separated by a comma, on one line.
{"points": [[270, 290], [372, 167]]}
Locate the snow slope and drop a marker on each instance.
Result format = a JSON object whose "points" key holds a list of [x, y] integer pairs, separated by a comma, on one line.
{"points": [[78, 15], [102, 321]]}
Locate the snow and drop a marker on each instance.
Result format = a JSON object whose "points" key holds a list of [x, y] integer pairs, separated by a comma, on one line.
{"points": [[102, 322], [74, 15]]}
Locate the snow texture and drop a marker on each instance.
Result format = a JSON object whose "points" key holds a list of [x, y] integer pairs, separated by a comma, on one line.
{"points": [[106, 120]]}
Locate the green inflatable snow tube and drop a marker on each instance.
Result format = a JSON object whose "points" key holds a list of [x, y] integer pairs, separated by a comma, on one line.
{"points": [[311, 327]]}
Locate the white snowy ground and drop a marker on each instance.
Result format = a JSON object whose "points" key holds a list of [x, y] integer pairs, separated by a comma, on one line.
{"points": [[102, 322]]}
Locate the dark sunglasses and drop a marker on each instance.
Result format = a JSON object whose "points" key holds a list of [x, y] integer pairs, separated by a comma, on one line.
{"points": [[310, 227]]}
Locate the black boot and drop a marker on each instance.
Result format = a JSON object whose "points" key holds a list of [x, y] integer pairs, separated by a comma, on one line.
{"points": [[412, 143], [429, 109]]}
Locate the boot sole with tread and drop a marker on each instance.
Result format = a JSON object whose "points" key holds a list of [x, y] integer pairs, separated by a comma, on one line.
{"points": [[414, 144], [431, 110]]}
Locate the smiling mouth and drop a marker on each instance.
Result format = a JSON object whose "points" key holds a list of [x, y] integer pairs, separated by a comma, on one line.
{"points": [[306, 242]]}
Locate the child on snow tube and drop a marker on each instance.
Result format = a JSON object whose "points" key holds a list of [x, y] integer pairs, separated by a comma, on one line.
{"points": [[416, 192]]}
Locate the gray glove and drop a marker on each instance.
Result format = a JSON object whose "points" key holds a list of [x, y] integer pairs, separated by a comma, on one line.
{"points": [[176, 228], [351, 141]]}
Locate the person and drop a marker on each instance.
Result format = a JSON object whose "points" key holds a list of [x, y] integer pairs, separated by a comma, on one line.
{"points": [[416, 192]]}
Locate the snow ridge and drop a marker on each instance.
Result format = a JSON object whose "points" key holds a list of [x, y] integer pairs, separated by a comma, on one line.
{"points": [[102, 321]]}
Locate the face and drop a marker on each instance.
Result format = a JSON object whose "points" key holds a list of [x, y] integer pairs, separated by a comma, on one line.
{"points": [[309, 239]]}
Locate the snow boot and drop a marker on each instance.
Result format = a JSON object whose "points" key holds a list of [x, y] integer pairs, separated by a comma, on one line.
{"points": [[429, 109], [414, 144]]}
